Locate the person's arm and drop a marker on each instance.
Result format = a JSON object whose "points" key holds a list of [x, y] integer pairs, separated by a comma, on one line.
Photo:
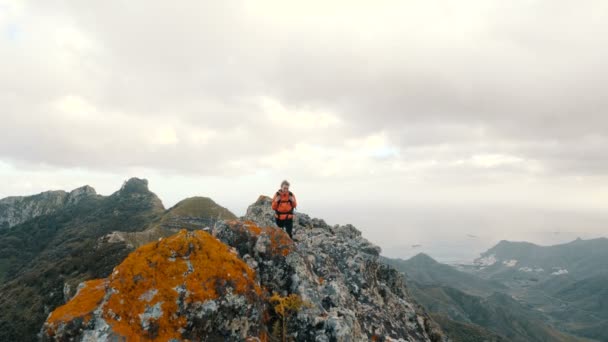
{"points": [[294, 202], [275, 201]]}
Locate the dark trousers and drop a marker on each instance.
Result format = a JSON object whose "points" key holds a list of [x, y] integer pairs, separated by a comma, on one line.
{"points": [[286, 225]]}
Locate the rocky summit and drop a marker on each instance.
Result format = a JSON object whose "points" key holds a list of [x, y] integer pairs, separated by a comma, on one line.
{"points": [[245, 280]]}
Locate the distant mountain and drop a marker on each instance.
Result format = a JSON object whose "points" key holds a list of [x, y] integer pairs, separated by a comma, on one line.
{"points": [[191, 213], [199, 207], [566, 282], [497, 313], [425, 270], [17, 209], [471, 308], [523, 263], [44, 259]]}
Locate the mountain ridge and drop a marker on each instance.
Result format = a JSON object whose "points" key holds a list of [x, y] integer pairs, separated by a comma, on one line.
{"points": [[346, 293], [332, 268], [17, 209], [426, 270]]}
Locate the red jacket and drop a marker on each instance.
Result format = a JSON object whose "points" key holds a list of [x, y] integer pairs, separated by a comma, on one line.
{"points": [[283, 204]]}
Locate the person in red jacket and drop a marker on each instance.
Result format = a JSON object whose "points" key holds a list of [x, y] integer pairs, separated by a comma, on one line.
{"points": [[284, 203]]}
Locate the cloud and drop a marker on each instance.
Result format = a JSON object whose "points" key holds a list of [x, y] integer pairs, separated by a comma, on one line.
{"points": [[430, 99], [484, 76]]}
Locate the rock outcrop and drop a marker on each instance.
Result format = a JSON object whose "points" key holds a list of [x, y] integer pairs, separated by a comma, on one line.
{"points": [[189, 286], [18, 209], [355, 296], [220, 286]]}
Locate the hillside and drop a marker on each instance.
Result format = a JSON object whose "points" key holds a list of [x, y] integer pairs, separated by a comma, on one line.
{"points": [[425, 270], [518, 262], [579, 306], [566, 282], [338, 289], [498, 313], [466, 332], [465, 304], [46, 257]]}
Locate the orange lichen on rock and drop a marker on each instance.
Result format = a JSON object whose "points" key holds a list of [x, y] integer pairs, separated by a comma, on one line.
{"points": [[81, 306], [148, 284], [280, 243]]}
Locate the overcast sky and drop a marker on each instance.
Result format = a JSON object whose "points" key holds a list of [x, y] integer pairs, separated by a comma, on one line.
{"points": [[418, 121]]}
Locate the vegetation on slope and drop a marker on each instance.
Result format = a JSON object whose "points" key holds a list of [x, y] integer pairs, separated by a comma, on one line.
{"points": [[42, 255]]}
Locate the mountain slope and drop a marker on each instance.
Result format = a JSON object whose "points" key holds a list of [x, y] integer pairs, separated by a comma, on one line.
{"points": [[466, 332], [498, 313], [346, 294], [467, 305], [425, 270], [49, 255], [579, 306]]}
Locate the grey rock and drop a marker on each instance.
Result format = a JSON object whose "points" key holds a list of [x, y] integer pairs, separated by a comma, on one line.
{"points": [[353, 295]]}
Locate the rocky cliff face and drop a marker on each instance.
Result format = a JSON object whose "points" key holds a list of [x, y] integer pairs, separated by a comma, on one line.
{"points": [[224, 284], [16, 210]]}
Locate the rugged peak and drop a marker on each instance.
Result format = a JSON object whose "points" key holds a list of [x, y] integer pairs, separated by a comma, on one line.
{"points": [[135, 185], [136, 192], [509, 249], [423, 259], [85, 189], [81, 193]]}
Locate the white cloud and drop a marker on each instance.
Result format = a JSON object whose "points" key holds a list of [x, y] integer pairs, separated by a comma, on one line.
{"points": [[298, 118], [494, 160], [394, 103], [75, 108], [165, 136]]}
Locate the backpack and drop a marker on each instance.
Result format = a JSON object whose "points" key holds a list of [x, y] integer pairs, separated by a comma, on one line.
{"points": [[281, 201]]}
